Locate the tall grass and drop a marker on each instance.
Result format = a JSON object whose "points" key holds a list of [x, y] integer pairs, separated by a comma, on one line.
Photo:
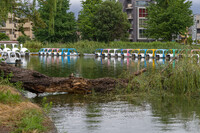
{"points": [[90, 46], [182, 79], [31, 122], [7, 97]]}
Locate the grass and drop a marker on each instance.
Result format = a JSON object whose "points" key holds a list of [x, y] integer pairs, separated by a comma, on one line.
{"points": [[31, 122], [91, 46], [17, 114], [181, 79], [8, 97]]}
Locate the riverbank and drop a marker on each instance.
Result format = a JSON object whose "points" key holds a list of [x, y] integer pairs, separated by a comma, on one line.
{"points": [[18, 114], [91, 46]]}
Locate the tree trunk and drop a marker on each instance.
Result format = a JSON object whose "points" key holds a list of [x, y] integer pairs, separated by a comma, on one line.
{"points": [[38, 83]]}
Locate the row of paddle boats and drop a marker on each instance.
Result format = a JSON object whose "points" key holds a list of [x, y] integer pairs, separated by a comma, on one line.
{"points": [[12, 55], [147, 53], [58, 52], [22, 51]]}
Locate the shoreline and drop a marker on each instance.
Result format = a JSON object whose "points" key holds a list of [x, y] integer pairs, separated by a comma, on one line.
{"points": [[19, 114]]}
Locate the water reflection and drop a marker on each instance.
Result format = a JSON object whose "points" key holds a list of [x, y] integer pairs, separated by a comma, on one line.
{"points": [[88, 66], [75, 113]]}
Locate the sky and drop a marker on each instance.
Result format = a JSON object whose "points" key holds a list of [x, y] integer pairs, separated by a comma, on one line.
{"points": [[76, 6]]}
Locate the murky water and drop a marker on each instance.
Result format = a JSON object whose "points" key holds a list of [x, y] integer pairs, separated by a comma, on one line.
{"points": [[88, 66], [87, 114]]}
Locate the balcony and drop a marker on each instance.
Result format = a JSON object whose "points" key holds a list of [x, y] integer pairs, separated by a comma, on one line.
{"points": [[130, 17], [129, 7], [130, 37]]}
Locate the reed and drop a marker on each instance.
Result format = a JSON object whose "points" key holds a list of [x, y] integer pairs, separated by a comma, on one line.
{"points": [[91, 46], [181, 79]]}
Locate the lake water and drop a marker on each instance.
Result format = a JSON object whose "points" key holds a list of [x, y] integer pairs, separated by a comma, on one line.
{"points": [[101, 114], [88, 66]]}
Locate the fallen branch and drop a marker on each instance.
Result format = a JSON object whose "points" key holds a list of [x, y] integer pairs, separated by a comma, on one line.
{"points": [[39, 83]]}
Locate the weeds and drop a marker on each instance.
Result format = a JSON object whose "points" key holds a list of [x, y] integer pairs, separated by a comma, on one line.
{"points": [[32, 121], [182, 79], [17, 113], [5, 80], [91, 46], [8, 97], [46, 106]]}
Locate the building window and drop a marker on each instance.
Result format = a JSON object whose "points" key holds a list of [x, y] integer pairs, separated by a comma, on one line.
{"points": [[15, 35], [3, 24], [198, 30], [141, 3], [10, 21], [142, 33], [129, 1], [143, 12], [197, 21], [3, 32], [142, 23]]}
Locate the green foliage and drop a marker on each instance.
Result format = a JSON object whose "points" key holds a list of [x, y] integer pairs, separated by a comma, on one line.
{"points": [[59, 28], [23, 39], [4, 37], [7, 97], [32, 120], [85, 19], [169, 19], [20, 8], [189, 40], [5, 79], [6, 7], [110, 22], [46, 106], [91, 46], [181, 79], [102, 21]]}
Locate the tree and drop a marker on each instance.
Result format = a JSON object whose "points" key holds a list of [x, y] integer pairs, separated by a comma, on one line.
{"points": [[59, 28], [3, 37], [20, 9], [110, 22], [168, 21], [106, 23], [86, 16]]}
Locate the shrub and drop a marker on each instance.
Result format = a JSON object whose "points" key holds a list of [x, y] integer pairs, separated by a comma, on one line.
{"points": [[4, 37], [23, 39], [189, 40]]}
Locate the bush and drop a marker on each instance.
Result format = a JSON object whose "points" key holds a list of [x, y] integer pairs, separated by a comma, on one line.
{"points": [[4, 37], [23, 39], [189, 40]]}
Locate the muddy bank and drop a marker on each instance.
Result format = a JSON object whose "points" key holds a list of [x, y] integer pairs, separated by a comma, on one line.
{"points": [[39, 83], [15, 108]]}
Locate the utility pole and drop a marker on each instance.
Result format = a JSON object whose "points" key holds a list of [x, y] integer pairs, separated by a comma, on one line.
{"points": [[12, 26], [196, 30]]}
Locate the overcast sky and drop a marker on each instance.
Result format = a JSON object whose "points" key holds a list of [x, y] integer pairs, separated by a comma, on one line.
{"points": [[76, 6]]}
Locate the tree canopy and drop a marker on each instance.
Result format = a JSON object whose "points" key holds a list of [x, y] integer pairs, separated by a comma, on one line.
{"points": [[103, 21], [110, 22], [169, 18], [60, 24], [20, 9], [85, 18]]}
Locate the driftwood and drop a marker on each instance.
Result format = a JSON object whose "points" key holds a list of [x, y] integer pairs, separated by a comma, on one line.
{"points": [[38, 83]]}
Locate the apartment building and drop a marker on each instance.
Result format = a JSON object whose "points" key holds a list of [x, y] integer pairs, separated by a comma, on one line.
{"points": [[137, 13], [194, 31], [11, 28]]}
